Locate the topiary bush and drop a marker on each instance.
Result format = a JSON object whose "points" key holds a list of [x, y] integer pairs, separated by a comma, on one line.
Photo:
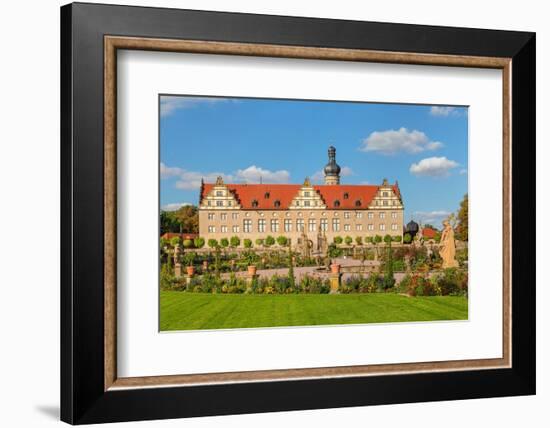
{"points": [[235, 241], [198, 242], [247, 243], [348, 240], [338, 240]]}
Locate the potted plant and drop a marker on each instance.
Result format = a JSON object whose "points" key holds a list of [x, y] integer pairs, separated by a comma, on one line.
{"points": [[335, 268], [189, 258], [251, 270]]}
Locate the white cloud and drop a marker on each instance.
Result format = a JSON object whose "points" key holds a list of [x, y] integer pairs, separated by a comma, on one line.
{"points": [[169, 104], [167, 172], [346, 171], [255, 174], [433, 167], [463, 171], [189, 180], [394, 141], [444, 111], [175, 206], [435, 218]]}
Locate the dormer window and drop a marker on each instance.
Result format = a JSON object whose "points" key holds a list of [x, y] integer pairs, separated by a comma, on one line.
{"points": [[277, 204], [357, 203], [255, 203], [336, 203], [346, 195], [266, 195]]}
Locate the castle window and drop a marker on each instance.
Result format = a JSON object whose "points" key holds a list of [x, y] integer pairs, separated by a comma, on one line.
{"points": [[370, 215], [247, 225], [347, 227], [382, 215], [209, 203], [306, 194], [359, 215], [336, 203], [346, 195], [357, 203], [311, 225], [254, 203], [335, 224], [274, 225], [346, 215], [266, 195], [223, 216], [235, 229], [288, 225], [384, 193], [219, 203], [324, 224], [395, 201], [229, 203], [300, 225], [211, 216], [224, 229], [394, 226], [385, 202], [382, 226], [306, 203], [371, 226], [219, 192], [393, 215], [235, 216], [211, 229], [261, 225], [359, 227], [277, 203]]}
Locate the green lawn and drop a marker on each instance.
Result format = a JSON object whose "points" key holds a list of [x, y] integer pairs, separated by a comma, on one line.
{"points": [[195, 311]]}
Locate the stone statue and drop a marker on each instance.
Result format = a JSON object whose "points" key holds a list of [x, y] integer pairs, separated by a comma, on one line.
{"points": [[447, 246]]}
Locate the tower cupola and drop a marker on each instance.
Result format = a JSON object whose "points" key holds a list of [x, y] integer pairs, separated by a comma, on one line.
{"points": [[332, 169]]}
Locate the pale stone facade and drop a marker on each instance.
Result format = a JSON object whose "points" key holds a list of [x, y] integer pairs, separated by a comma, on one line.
{"points": [[254, 211]]}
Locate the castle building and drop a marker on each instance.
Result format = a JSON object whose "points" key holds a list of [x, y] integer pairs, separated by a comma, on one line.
{"points": [[254, 211]]}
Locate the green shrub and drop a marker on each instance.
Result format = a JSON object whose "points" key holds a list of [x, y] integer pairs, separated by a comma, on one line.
{"points": [[358, 240], [187, 243], [212, 243], [407, 238], [338, 240], [198, 242], [247, 243], [333, 251], [387, 239], [377, 239], [397, 238], [259, 242], [368, 239], [282, 240], [224, 242], [452, 282], [235, 241], [269, 241], [176, 240], [348, 240]]}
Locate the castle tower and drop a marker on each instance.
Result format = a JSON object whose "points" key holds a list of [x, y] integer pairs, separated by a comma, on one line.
{"points": [[332, 169]]}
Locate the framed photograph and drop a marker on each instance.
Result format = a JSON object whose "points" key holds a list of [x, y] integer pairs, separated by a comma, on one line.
{"points": [[266, 213]]}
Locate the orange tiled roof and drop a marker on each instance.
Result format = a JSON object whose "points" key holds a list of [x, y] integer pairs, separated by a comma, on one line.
{"points": [[429, 233], [285, 193]]}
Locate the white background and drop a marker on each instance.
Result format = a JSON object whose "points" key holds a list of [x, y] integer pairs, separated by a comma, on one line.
{"points": [[142, 351], [29, 219]]}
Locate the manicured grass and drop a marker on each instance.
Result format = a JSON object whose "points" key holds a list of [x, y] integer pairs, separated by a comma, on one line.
{"points": [[195, 311]]}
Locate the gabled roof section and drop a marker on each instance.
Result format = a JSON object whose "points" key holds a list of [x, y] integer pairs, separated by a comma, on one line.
{"points": [[280, 196]]}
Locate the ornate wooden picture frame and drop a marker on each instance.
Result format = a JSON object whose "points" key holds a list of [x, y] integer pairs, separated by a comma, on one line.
{"points": [[91, 390]]}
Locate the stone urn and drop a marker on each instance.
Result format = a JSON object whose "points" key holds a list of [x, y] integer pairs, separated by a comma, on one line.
{"points": [[190, 270], [251, 270], [335, 268]]}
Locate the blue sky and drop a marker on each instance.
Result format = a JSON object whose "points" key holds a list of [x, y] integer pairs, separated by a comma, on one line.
{"points": [[424, 147]]}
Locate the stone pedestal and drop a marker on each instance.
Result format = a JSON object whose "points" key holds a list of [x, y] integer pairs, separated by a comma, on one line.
{"points": [[177, 270], [249, 280], [335, 281]]}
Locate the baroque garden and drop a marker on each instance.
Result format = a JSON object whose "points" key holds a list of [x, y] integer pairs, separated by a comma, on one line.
{"points": [[302, 254]]}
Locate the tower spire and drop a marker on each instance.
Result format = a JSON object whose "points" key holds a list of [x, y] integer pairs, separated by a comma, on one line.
{"points": [[332, 169]]}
